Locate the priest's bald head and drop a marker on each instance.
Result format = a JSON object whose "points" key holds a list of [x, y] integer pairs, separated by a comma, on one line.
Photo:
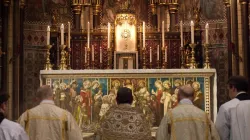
{"points": [[186, 92], [124, 96], [45, 92]]}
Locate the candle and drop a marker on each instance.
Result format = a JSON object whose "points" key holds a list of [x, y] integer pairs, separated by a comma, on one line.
{"points": [[166, 53], [150, 54], [163, 34], [85, 56], [181, 30], [158, 52], [48, 35], [62, 34], [192, 32], [69, 34], [143, 33], [93, 53], [108, 35], [100, 54], [88, 43], [207, 27]]}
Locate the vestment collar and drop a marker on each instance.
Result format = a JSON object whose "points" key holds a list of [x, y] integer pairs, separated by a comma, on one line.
{"points": [[186, 101], [47, 102]]}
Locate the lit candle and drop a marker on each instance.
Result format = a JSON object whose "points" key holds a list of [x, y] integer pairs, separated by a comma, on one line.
{"points": [[69, 34], [150, 54], [100, 54], [93, 53], [163, 34], [166, 53], [88, 35], [181, 30], [192, 32], [48, 35], [85, 56], [108, 35], [62, 34], [143, 33], [207, 27], [158, 52]]}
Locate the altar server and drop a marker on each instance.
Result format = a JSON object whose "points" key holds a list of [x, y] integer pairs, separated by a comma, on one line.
{"points": [[49, 122], [186, 121], [9, 130], [231, 119]]}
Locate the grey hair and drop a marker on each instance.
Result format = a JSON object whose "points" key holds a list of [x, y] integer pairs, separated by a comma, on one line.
{"points": [[44, 92]]}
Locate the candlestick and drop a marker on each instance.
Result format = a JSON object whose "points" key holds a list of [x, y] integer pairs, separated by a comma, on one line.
{"points": [[207, 27], [163, 34], [93, 53], [62, 34], [193, 62], [143, 34], [48, 35], [166, 54], [69, 34], [158, 52], [181, 30], [192, 32], [100, 54], [108, 35], [63, 65], [207, 63], [48, 65], [85, 55], [88, 43], [150, 54]]}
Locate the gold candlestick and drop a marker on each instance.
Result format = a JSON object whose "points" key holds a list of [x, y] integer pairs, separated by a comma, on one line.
{"points": [[93, 64], [207, 63], [163, 58], [193, 63], [158, 64], [109, 54], [144, 58], [69, 58], [63, 65], [182, 58], [88, 59], [48, 65]]}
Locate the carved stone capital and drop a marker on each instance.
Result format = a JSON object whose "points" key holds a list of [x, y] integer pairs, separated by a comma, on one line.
{"points": [[96, 9], [173, 8], [77, 9]]}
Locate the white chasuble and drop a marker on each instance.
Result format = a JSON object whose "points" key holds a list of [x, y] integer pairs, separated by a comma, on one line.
{"points": [[49, 122], [186, 122]]}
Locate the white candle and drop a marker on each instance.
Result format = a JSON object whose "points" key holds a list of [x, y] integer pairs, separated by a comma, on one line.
{"points": [[48, 35], [100, 54], [166, 53], [93, 53], [207, 27], [88, 42], [62, 34], [150, 54], [69, 34], [85, 56], [158, 52], [192, 32], [181, 30], [143, 34], [163, 34], [108, 35]]}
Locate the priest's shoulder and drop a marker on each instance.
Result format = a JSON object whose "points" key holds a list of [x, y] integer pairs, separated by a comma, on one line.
{"points": [[230, 104], [13, 127]]}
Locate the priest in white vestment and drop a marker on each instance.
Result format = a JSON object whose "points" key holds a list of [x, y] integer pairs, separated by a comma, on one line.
{"points": [[49, 122], [186, 121], [227, 119]]}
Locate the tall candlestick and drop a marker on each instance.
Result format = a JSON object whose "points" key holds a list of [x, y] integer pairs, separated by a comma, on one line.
{"points": [[85, 55], [100, 54], [143, 34], [166, 53], [88, 43], [192, 32], [158, 52], [207, 27], [69, 34], [108, 35], [93, 53], [163, 34], [62, 34], [181, 30], [150, 54], [48, 35]]}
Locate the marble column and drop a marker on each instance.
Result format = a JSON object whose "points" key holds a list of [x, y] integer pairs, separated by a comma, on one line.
{"points": [[245, 36], [228, 13], [77, 16], [173, 8]]}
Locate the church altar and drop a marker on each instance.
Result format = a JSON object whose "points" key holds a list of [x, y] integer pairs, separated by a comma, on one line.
{"points": [[147, 85]]}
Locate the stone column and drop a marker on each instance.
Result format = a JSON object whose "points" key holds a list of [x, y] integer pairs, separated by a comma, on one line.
{"points": [[245, 37], [228, 12], [77, 16], [173, 8]]}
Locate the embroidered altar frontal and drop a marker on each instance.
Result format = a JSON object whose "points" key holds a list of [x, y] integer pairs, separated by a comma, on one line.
{"points": [[154, 90]]}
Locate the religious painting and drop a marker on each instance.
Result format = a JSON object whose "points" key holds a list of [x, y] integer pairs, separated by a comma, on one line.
{"points": [[89, 97], [111, 7]]}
